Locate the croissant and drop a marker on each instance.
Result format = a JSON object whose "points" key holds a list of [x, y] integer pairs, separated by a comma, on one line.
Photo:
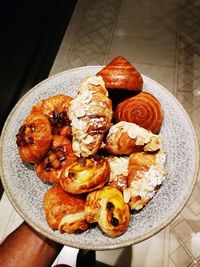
{"points": [[107, 207], [143, 109], [56, 109], [34, 138], [90, 113], [125, 138], [146, 174], [59, 155], [120, 74], [64, 212], [85, 175]]}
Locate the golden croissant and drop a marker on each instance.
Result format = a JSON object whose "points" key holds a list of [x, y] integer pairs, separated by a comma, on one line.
{"points": [[90, 113], [64, 212], [146, 172], [125, 138]]}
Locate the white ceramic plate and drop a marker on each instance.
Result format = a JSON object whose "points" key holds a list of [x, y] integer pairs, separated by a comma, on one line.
{"points": [[26, 191]]}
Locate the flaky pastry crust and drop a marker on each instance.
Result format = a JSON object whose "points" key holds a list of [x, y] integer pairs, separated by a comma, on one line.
{"points": [[120, 74], [90, 113], [85, 175], [146, 172], [106, 206], [64, 212], [34, 138], [125, 138], [144, 109], [59, 155], [56, 109]]}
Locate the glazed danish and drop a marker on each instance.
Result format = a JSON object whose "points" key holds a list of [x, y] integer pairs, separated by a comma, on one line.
{"points": [[56, 109], [64, 212], [34, 138], [85, 175], [106, 206], [143, 109], [59, 155], [90, 113], [125, 138]]}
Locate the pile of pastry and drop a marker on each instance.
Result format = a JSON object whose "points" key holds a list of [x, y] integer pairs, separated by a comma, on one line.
{"points": [[101, 153]]}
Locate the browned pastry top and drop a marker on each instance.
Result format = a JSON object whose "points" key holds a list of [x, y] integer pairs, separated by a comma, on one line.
{"points": [[58, 203], [120, 74]]}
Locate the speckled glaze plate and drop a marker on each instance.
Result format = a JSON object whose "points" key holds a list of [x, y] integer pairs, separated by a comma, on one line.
{"points": [[26, 191]]}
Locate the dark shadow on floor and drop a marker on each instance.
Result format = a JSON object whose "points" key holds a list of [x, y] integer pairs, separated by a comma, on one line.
{"points": [[124, 259]]}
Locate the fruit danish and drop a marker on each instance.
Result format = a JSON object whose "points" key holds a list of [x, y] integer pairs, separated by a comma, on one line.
{"points": [[34, 138], [64, 212], [125, 138], [90, 113], [106, 206], [146, 174], [85, 175], [56, 109], [120, 74], [59, 155], [143, 109]]}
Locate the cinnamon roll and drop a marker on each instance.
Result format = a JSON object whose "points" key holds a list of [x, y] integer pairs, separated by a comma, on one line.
{"points": [[143, 109]]}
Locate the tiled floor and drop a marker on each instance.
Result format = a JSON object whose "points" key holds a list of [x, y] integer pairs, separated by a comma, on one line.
{"points": [[162, 39]]}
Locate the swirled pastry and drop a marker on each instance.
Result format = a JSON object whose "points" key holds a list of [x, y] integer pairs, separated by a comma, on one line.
{"points": [[56, 109], [34, 138], [60, 154], [107, 207], [90, 113], [118, 171], [120, 74], [146, 174], [64, 212], [125, 138], [143, 109], [85, 175]]}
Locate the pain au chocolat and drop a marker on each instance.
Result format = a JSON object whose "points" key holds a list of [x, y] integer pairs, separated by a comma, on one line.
{"points": [[144, 109], [120, 74]]}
